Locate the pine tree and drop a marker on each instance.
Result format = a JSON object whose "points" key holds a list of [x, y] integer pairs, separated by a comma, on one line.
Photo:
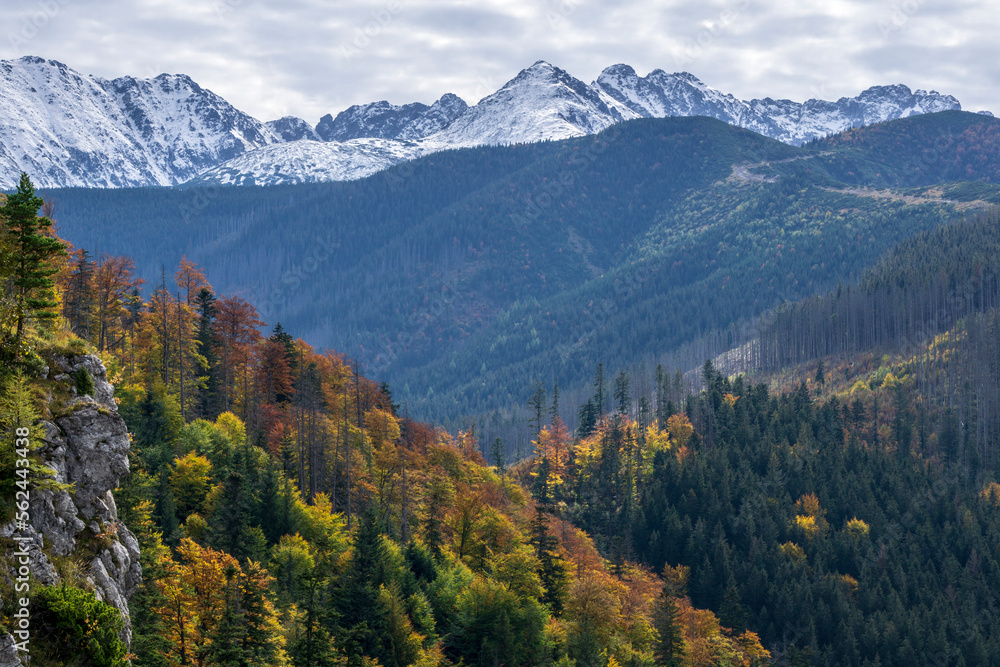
{"points": [[669, 648], [79, 299], [361, 617], [204, 305], [551, 568], [230, 524], [599, 390], [537, 406], [587, 419], [623, 396], [30, 243], [498, 456], [150, 644], [732, 614], [554, 410], [166, 510]]}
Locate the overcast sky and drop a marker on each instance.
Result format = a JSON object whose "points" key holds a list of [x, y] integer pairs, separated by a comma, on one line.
{"points": [[311, 57]]}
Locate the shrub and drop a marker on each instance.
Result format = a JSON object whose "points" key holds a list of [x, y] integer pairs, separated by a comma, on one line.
{"points": [[84, 383], [75, 628]]}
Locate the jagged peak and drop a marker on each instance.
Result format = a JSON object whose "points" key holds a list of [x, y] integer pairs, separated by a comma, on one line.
{"points": [[619, 69], [450, 99]]}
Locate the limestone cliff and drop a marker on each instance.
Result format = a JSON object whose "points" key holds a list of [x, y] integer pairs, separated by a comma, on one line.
{"points": [[87, 445]]}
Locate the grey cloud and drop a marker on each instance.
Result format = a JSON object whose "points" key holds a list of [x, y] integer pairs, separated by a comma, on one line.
{"points": [[302, 57]]}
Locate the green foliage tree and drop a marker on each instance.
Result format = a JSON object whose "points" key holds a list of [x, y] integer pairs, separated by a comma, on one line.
{"points": [[32, 249], [493, 627], [551, 568], [669, 650], [73, 626]]}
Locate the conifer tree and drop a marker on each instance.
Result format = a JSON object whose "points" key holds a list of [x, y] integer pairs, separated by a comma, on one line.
{"points": [[623, 395], [587, 419], [498, 456], [537, 406], [669, 649], [79, 298], [32, 248], [599, 390], [551, 568]]}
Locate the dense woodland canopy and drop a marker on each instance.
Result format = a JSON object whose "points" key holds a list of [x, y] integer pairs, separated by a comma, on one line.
{"points": [[461, 277], [823, 491], [289, 512]]}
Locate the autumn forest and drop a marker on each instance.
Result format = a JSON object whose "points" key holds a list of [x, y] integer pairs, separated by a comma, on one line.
{"points": [[807, 480]]}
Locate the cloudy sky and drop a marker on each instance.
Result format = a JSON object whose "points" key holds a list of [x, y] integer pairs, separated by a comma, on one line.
{"points": [[311, 57]]}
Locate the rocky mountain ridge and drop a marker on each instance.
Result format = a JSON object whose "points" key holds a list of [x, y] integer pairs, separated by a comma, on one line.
{"points": [[68, 129]]}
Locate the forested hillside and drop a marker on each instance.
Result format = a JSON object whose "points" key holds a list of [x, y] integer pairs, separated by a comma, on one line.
{"points": [[823, 491], [462, 276], [288, 511], [803, 520], [848, 513]]}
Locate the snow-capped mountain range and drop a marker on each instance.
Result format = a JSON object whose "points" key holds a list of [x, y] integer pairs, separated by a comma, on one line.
{"points": [[69, 129]]}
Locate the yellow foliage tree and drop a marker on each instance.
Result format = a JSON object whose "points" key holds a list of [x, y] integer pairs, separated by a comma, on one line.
{"points": [[382, 428], [856, 528], [680, 429], [991, 494], [190, 480], [232, 426]]}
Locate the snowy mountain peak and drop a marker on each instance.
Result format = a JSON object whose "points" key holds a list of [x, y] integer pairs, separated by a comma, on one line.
{"points": [[69, 129], [292, 128], [542, 102], [383, 120], [659, 94]]}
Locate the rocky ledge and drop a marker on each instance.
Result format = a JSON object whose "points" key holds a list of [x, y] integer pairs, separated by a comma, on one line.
{"points": [[87, 445]]}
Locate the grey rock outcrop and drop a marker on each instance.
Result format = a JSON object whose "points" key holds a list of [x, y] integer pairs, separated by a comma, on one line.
{"points": [[87, 445]]}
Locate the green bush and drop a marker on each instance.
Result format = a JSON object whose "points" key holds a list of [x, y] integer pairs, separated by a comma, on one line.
{"points": [[84, 383], [73, 627]]}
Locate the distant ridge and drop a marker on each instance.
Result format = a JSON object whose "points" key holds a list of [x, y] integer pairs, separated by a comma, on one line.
{"points": [[69, 129]]}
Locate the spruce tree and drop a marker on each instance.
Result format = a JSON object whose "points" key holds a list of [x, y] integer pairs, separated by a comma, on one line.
{"points": [[204, 304], [623, 395], [599, 390], [29, 240], [588, 419], [551, 568], [669, 648], [498, 456], [537, 406]]}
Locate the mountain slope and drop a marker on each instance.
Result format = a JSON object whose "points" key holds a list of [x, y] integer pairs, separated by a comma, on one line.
{"points": [[66, 129], [472, 271], [541, 103], [291, 128], [306, 161], [545, 103]]}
